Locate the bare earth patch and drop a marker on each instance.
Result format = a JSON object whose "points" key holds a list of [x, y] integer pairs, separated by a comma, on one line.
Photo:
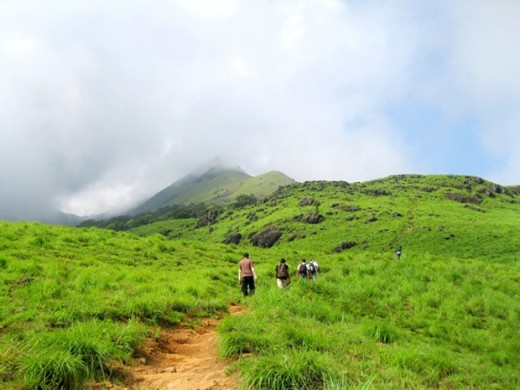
{"points": [[182, 358]]}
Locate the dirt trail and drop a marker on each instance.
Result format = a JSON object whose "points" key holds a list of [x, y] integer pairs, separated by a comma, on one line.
{"points": [[182, 359]]}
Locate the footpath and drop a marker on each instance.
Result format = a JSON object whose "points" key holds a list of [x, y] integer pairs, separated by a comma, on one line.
{"points": [[183, 358]]}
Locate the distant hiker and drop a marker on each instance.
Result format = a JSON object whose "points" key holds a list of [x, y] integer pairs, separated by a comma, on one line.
{"points": [[398, 252], [247, 275], [312, 269], [283, 278], [302, 270]]}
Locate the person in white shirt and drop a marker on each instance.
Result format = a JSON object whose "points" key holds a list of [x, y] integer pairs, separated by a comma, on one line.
{"points": [[312, 268]]}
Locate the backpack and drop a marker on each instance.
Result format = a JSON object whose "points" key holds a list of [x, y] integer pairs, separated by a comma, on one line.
{"points": [[282, 272], [311, 268], [302, 269]]}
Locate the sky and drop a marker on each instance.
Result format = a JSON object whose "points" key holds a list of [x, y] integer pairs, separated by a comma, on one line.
{"points": [[105, 103]]}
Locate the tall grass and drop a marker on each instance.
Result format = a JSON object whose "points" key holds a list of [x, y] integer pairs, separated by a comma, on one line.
{"points": [[69, 358], [419, 323], [74, 301], [297, 369]]}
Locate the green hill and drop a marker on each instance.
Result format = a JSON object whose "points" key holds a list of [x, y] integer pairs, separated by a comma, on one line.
{"points": [[435, 214], [264, 184], [216, 186], [76, 303]]}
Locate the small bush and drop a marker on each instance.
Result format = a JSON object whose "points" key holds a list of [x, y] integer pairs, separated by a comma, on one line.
{"points": [[290, 370], [381, 332], [68, 358]]}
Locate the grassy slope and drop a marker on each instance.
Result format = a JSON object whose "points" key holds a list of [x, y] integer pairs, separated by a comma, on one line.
{"points": [[227, 185], [75, 300], [215, 190], [264, 184], [445, 315], [215, 186], [373, 322], [413, 212]]}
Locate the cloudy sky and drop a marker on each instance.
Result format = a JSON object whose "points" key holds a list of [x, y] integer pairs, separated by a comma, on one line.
{"points": [[104, 103]]}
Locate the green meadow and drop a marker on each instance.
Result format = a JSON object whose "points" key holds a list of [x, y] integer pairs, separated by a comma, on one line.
{"points": [[78, 302], [457, 216], [370, 321], [75, 301]]}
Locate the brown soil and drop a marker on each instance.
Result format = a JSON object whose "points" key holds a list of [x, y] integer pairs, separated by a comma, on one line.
{"points": [[183, 358]]}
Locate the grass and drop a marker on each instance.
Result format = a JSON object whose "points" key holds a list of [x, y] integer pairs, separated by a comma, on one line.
{"points": [[70, 357], [419, 323], [412, 211], [75, 302]]}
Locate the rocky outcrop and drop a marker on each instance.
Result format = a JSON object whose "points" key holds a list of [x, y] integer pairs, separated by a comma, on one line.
{"points": [[350, 209], [306, 202], [266, 238], [344, 246], [461, 198], [208, 219], [373, 218], [313, 218], [233, 238]]}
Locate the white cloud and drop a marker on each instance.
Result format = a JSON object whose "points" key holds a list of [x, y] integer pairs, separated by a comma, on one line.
{"points": [[242, 67], [486, 54], [483, 77], [209, 10], [104, 103]]}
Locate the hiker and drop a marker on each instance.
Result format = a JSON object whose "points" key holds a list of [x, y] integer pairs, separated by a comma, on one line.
{"points": [[283, 278], [301, 272], [398, 252], [247, 275], [312, 269]]}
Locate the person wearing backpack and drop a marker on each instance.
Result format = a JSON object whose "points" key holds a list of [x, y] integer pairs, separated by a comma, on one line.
{"points": [[247, 275], [283, 278], [302, 270], [312, 269]]}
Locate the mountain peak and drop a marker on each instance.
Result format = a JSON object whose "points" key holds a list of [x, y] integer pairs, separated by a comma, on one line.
{"points": [[217, 185], [217, 165]]}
